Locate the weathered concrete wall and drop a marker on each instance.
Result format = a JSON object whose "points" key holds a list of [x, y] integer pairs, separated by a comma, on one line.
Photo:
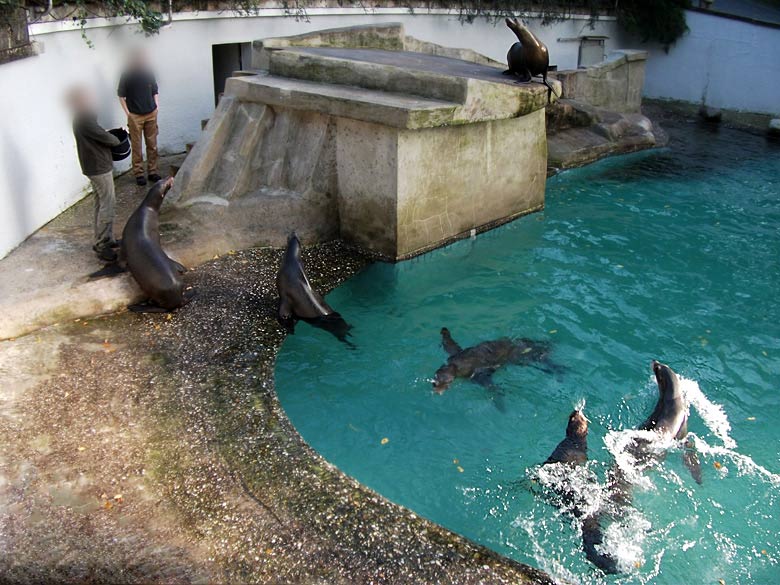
{"points": [[401, 193], [39, 174], [455, 179], [615, 84], [259, 173]]}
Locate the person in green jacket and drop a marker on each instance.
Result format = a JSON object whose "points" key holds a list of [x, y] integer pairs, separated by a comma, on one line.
{"points": [[93, 144]]}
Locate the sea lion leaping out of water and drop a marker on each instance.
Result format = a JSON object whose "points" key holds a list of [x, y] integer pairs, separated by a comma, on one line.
{"points": [[528, 57], [158, 275], [573, 450], [479, 363], [298, 300], [669, 422]]}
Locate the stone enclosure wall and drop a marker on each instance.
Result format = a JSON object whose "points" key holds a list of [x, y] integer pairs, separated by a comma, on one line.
{"points": [[614, 84]]}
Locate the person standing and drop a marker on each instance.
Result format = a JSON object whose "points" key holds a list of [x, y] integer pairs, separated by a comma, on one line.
{"points": [[138, 95], [93, 144]]}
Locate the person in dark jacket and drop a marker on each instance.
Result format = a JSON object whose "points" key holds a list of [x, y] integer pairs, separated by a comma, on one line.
{"points": [[138, 95], [93, 144]]}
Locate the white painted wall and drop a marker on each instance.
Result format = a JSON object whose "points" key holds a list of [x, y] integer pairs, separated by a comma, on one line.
{"points": [[724, 62], [39, 172]]}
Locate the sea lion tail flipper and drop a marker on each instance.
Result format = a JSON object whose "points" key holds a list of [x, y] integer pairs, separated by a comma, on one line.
{"points": [[592, 536], [691, 460], [108, 270]]}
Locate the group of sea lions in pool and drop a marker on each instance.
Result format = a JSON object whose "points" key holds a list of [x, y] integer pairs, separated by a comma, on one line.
{"points": [[668, 421]]}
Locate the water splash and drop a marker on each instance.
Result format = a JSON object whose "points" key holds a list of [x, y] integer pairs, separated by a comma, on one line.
{"points": [[713, 415], [717, 421]]}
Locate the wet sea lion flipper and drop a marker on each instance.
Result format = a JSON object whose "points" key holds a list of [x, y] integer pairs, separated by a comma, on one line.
{"points": [[484, 377], [448, 343], [177, 266], [108, 270], [592, 539], [691, 461], [285, 310]]}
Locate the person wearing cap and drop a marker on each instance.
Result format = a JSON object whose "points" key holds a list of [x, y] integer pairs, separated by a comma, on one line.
{"points": [[138, 95], [93, 144]]}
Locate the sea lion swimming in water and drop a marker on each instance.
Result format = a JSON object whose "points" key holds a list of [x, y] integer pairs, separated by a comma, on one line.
{"points": [[298, 300], [573, 451], [528, 57], [158, 275], [478, 363], [669, 421]]}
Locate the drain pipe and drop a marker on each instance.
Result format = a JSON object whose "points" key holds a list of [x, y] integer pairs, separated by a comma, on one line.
{"points": [[170, 13]]}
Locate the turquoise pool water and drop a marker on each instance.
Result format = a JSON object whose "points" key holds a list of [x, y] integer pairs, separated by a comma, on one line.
{"points": [[673, 255]]}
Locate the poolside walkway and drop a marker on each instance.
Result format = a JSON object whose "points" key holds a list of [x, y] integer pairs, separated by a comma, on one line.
{"points": [[44, 280]]}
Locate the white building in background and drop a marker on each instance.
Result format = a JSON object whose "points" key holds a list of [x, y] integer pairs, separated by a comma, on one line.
{"points": [[731, 65]]}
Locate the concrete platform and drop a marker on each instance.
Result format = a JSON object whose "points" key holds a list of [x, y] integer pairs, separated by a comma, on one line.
{"points": [[401, 150]]}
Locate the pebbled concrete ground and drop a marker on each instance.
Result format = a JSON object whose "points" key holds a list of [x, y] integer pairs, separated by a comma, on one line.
{"points": [[152, 448]]}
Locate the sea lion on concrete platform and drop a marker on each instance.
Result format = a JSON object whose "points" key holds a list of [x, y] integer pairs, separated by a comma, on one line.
{"points": [[478, 363], [298, 300], [573, 450], [528, 57], [158, 275]]}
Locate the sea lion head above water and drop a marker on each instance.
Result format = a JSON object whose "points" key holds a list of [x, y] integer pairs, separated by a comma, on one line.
{"points": [[668, 383], [444, 377], [577, 429]]}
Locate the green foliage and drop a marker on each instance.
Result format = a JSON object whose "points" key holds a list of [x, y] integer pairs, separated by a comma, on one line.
{"points": [[550, 11], [661, 21], [140, 11]]}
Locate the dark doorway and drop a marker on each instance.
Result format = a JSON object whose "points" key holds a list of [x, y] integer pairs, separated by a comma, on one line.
{"points": [[225, 60]]}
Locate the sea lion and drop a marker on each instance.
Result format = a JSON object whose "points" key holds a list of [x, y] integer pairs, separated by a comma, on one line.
{"points": [[573, 450], [158, 275], [298, 300], [478, 363], [669, 421], [528, 57]]}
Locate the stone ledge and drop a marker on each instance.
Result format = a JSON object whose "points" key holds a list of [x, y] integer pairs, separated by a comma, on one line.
{"points": [[481, 91], [389, 36], [579, 134], [366, 105]]}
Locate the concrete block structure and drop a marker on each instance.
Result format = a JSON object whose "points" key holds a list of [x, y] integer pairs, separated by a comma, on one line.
{"points": [[394, 144]]}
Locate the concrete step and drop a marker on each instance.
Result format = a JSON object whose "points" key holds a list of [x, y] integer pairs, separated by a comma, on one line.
{"points": [[399, 111], [481, 90]]}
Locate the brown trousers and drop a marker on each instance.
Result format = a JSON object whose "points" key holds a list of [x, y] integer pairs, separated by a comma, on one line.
{"points": [[145, 125]]}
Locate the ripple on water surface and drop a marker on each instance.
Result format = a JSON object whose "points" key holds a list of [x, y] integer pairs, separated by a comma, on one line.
{"points": [[670, 255]]}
